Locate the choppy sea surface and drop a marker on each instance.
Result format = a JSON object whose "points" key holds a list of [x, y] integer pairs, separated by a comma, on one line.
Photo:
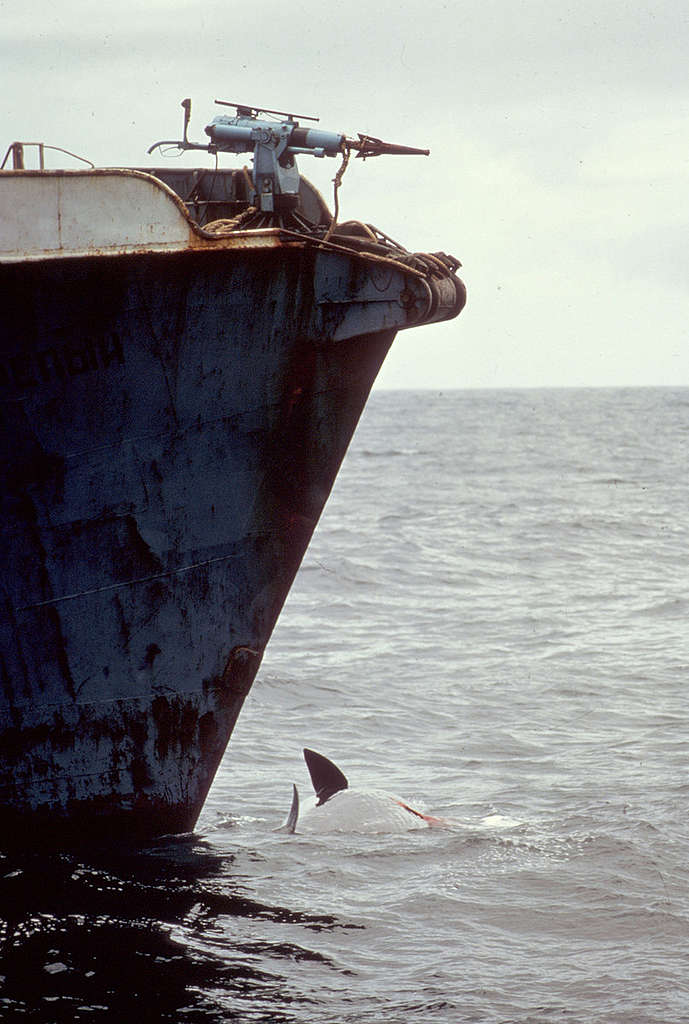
{"points": [[491, 622]]}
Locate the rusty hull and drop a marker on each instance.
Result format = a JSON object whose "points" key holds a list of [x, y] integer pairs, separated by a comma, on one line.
{"points": [[172, 427]]}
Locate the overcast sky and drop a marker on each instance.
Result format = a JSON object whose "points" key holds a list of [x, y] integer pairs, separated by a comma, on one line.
{"points": [[559, 146]]}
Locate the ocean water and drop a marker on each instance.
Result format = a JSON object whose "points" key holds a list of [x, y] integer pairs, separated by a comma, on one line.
{"points": [[491, 622]]}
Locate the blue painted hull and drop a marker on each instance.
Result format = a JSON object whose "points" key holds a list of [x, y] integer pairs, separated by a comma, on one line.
{"points": [[172, 427]]}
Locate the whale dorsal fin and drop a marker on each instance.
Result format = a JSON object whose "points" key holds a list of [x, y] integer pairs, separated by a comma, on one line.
{"points": [[326, 777]]}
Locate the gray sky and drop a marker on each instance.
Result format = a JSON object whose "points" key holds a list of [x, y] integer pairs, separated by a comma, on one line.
{"points": [[559, 151]]}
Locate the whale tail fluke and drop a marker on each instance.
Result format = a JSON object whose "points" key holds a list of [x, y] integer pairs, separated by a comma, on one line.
{"points": [[326, 777]]}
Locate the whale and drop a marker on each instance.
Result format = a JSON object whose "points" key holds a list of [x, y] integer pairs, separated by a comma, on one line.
{"points": [[336, 807]]}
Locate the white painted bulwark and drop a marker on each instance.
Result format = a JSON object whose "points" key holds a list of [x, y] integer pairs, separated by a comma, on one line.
{"points": [[85, 212]]}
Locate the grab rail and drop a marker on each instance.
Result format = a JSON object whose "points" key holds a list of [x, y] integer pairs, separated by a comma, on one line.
{"points": [[17, 151]]}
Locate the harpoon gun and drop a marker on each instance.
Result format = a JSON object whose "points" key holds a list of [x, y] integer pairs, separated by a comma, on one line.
{"points": [[275, 144]]}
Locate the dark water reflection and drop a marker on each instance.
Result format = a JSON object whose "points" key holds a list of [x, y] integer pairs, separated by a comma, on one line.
{"points": [[103, 937]]}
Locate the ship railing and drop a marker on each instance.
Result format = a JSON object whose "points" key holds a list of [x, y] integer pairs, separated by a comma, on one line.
{"points": [[16, 151]]}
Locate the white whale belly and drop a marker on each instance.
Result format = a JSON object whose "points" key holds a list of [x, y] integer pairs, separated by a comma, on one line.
{"points": [[357, 811]]}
